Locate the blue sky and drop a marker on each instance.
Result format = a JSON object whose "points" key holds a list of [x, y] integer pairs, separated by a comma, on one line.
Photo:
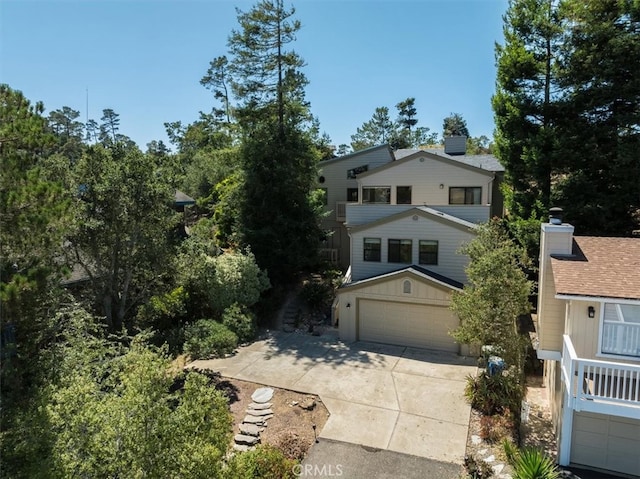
{"points": [[144, 59]]}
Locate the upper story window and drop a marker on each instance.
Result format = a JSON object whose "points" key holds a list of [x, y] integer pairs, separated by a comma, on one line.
{"points": [[376, 194], [352, 195], [372, 249], [403, 195], [399, 251], [621, 329], [428, 252], [351, 174], [465, 195]]}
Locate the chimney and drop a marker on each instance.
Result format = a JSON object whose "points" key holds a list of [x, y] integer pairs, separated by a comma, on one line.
{"points": [[556, 238], [555, 216], [455, 145]]}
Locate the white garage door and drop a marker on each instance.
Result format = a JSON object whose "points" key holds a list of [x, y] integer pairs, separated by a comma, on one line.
{"points": [[420, 326], [606, 442]]}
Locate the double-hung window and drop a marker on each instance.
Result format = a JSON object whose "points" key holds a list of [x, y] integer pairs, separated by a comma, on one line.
{"points": [[621, 329], [465, 195], [371, 249], [428, 252], [399, 251]]}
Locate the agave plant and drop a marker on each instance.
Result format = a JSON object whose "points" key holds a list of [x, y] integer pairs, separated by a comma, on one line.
{"points": [[532, 463]]}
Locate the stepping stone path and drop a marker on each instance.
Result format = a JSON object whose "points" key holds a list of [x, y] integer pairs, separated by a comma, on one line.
{"points": [[258, 412], [484, 454]]}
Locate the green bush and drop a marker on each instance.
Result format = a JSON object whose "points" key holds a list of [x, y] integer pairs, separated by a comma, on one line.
{"points": [[316, 294], [532, 463], [264, 462], [207, 338], [241, 322], [494, 394]]}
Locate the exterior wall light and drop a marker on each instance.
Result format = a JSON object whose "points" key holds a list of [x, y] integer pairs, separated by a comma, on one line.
{"points": [[441, 186], [348, 305], [590, 310]]}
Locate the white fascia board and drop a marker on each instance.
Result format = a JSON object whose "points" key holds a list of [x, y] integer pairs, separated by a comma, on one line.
{"points": [[596, 299]]}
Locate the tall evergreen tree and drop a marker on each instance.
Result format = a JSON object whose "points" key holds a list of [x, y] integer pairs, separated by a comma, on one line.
{"points": [[377, 131], [279, 158], [454, 125], [526, 103], [601, 191]]}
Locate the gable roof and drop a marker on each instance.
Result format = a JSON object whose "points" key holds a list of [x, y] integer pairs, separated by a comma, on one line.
{"points": [[182, 199], [357, 153], [423, 211], [599, 267], [481, 162], [414, 270]]}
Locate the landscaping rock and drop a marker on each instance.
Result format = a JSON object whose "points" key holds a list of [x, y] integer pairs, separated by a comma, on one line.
{"points": [[259, 412], [308, 404], [266, 417], [262, 395], [241, 447], [497, 469], [490, 459], [250, 429], [475, 439], [259, 420], [255, 405], [248, 440]]}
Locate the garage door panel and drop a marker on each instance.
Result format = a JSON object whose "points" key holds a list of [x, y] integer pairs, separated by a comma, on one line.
{"points": [[406, 324], [606, 442]]}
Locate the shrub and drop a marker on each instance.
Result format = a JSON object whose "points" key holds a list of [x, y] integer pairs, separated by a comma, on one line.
{"points": [[207, 338], [497, 427], [316, 294], [532, 463], [477, 468], [241, 322], [292, 446], [510, 450], [264, 462], [494, 394]]}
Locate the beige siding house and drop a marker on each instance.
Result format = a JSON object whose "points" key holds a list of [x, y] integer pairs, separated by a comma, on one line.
{"points": [[589, 337], [337, 177]]}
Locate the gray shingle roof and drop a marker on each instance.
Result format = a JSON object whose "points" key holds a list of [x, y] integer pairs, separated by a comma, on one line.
{"points": [[485, 162]]}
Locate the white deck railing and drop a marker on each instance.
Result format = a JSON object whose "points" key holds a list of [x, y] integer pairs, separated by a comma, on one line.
{"points": [[621, 338], [600, 386]]}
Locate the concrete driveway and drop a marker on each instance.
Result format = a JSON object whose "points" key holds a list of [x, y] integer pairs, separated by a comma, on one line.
{"points": [[387, 397]]}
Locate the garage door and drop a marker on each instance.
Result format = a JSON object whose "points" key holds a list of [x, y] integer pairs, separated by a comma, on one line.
{"points": [[606, 442], [420, 326]]}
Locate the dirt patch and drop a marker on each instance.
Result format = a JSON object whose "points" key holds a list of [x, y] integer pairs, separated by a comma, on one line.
{"points": [[289, 418]]}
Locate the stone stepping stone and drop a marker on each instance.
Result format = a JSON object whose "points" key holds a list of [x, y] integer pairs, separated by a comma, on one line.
{"points": [[255, 405], [267, 417], [241, 447], [250, 429], [262, 395], [248, 440], [259, 412], [254, 420]]}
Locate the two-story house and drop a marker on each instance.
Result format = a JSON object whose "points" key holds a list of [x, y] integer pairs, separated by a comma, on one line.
{"points": [[405, 229], [589, 336]]}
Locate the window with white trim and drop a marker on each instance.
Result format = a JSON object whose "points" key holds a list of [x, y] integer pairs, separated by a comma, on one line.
{"points": [[399, 251], [621, 329], [371, 249]]}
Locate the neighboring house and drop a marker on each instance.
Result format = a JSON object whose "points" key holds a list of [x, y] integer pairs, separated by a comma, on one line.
{"points": [[589, 336], [384, 182], [406, 222]]}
